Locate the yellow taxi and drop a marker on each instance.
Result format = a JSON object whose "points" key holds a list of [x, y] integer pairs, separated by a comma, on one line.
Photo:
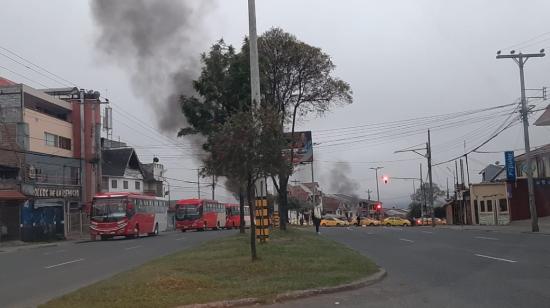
{"points": [[333, 222], [396, 221], [366, 221]]}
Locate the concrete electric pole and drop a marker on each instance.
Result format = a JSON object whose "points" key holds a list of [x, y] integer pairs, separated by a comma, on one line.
{"points": [[520, 60], [377, 188]]}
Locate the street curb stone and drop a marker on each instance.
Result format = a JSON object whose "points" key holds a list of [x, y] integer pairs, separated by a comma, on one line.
{"points": [[372, 279]]}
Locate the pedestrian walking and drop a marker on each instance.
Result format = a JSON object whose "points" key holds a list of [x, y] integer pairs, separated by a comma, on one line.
{"points": [[317, 218], [358, 220]]}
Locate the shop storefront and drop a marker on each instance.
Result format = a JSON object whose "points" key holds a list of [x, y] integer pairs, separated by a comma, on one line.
{"points": [[44, 214]]}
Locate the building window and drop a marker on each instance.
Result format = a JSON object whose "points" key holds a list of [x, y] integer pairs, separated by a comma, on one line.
{"points": [[138, 185], [64, 143], [502, 205], [57, 141], [114, 183], [50, 139], [489, 205], [125, 184], [105, 184], [482, 206]]}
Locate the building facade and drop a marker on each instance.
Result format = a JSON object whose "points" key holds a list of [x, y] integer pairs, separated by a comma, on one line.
{"points": [[46, 173]]}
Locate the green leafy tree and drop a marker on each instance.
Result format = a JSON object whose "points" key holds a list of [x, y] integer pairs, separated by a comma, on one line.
{"points": [[246, 149]]}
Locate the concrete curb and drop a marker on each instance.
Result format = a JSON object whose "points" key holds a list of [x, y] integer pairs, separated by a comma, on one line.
{"points": [[508, 231], [372, 279], [9, 249], [229, 303]]}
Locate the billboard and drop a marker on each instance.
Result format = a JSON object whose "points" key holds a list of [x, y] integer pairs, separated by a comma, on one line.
{"points": [[302, 147], [510, 166]]}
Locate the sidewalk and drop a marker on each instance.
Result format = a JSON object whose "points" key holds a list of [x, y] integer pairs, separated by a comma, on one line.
{"points": [[519, 226], [11, 246]]}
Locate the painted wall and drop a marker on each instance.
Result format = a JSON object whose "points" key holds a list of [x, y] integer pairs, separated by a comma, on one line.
{"points": [[492, 192], [40, 123]]}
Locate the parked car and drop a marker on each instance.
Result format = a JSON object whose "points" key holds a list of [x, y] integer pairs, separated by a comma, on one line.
{"points": [[427, 221], [367, 221], [333, 222], [396, 221]]}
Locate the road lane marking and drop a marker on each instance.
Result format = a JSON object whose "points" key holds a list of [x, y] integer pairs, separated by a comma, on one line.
{"points": [[428, 232], [133, 247], [64, 263], [406, 240], [495, 258], [486, 238], [181, 238]]}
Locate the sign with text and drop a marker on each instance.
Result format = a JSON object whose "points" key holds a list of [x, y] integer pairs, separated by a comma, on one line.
{"points": [[301, 146], [510, 161], [56, 192]]}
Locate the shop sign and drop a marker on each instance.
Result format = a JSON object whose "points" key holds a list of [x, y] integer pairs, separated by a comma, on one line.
{"points": [[56, 192]]}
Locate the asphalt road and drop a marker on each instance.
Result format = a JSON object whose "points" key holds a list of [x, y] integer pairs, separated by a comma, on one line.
{"points": [[33, 276], [445, 268]]}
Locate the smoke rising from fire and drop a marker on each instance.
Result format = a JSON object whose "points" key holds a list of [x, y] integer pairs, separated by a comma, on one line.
{"points": [[340, 182], [157, 43]]}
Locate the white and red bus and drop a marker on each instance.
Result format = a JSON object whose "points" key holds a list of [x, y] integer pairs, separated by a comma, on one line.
{"points": [[127, 214], [233, 216], [199, 214]]}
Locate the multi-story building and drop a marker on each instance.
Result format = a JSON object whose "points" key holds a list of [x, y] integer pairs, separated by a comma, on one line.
{"points": [[48, 159]]}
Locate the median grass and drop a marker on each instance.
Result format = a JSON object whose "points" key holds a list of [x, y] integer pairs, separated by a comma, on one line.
{"points": [[221, 269]]}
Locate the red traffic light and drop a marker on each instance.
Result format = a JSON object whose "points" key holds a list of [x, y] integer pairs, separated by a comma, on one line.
{"points": [[386, 179], [378, 206]]}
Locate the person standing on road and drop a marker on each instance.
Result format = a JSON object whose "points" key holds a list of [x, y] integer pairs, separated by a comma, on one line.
{"points": [[358, 220], [317, 218]]}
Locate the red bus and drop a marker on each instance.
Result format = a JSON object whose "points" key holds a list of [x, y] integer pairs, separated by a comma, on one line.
{"points": [[127, 214], [233, 216], [199, 214]]}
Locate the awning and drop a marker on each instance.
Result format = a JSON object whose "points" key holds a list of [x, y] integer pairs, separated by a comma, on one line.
{"points": [[11, 195], [544, 119]]}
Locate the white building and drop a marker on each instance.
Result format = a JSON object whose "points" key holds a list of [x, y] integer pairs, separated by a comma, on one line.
{"points": [[121, 171]]}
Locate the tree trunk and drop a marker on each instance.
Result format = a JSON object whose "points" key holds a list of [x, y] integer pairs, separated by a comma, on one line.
{"points": [[252, 205], [241, 210], [283, 202]]}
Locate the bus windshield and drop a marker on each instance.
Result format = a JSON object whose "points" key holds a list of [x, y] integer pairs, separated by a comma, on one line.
{"points": [[109, 210], [188, 212], [234, 210]]}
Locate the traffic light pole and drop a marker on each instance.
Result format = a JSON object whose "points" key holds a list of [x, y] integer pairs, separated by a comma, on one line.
{"points": [[520, 59], [431, 194]]}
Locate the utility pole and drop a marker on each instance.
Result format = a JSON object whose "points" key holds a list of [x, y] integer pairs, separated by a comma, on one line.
{"points": [[377, 188], [82, 149], [254, 66], [198, 183], [213, 187], [520, 60], [431, 196], [368, 192], [422, 204]]}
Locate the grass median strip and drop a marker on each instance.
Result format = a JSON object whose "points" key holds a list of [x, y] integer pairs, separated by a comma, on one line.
{"points": [[222, 270]]}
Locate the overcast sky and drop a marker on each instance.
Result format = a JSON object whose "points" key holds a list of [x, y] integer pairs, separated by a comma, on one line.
{"points": [[403, 60]]}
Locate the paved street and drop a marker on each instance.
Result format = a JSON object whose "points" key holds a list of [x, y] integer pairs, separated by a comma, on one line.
{"points": [[445, 268], [32, 276]]}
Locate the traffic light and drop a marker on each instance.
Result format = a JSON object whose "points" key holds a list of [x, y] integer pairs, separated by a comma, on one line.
{"points": [[386, 179], [378, 207]]}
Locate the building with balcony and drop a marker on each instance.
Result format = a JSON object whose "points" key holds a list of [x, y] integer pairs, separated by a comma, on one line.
{"points": [[46, 173]]}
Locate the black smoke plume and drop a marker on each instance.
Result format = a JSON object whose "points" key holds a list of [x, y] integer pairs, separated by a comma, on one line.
{"points": [[157, 43]]}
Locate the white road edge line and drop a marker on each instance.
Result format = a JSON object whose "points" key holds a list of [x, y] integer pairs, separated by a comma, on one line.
{"points": [[64, 263], [52, 252], [406, 240], [181, 238], [495, 258], [429, 232], [133, 247], [486, 238]]}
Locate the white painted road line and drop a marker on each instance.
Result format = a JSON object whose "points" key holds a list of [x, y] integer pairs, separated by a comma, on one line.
{"points": [[181, 238], [64, 263], [406, 240], [495, 258], [429, 232], [486, 238], [133, 247]]}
